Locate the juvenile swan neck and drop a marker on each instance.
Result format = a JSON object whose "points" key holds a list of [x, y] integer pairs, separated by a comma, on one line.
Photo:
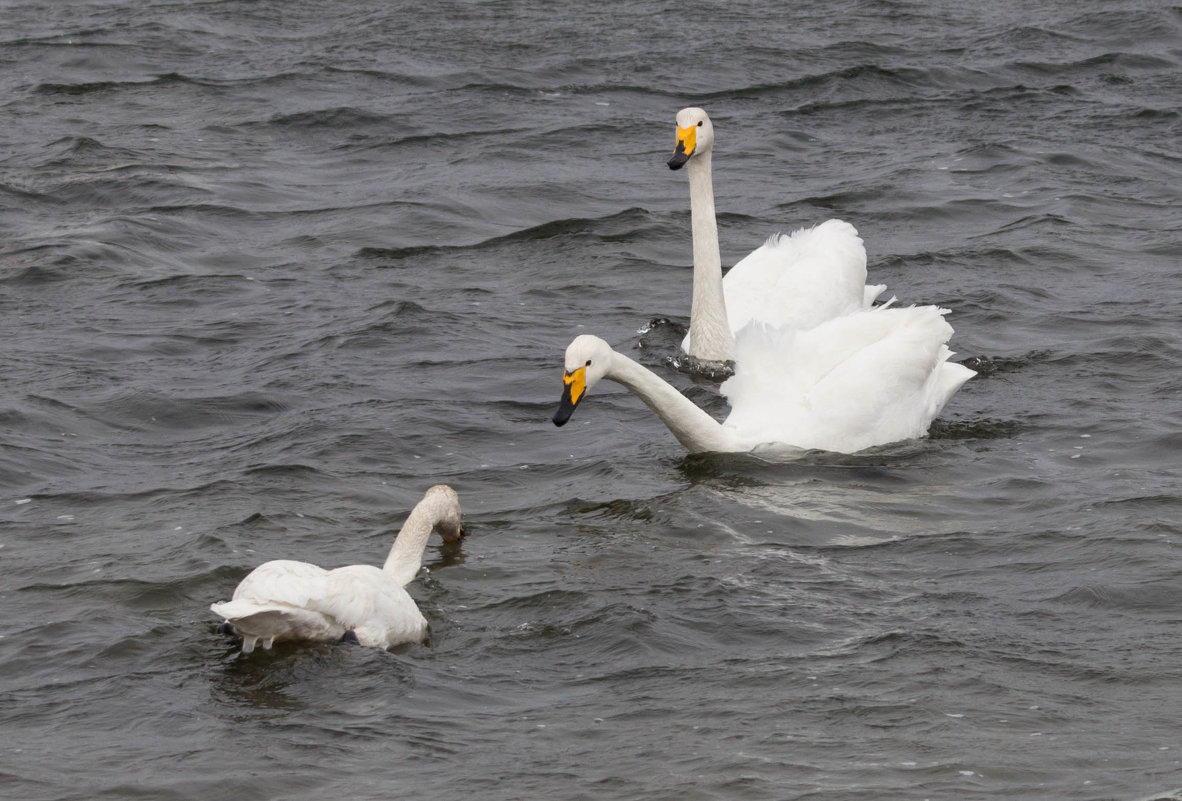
{"points": [[406, 555], [693, 428], [710, 332]]}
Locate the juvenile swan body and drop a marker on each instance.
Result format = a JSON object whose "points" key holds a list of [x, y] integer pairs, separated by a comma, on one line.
{"points": [[285, 600], [800, 280], [853, 382]]}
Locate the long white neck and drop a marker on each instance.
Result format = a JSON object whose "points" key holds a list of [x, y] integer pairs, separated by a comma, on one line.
{"points": [[696, 430], [406, 555], [710, 334]]}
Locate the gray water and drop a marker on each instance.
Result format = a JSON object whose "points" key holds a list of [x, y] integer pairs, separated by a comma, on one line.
{"points": [[268, 270]]}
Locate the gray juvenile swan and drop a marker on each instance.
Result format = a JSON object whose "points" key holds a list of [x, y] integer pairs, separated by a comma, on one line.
{"points": [[286, 600]]}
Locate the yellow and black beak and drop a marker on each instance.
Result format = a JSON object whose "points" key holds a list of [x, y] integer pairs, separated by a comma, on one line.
{"points": [[687, 142], [574, 385]]}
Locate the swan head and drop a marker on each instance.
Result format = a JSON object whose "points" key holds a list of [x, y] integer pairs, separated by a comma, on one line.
{"points": [[587, 360], [446, 511], [695, 135]]}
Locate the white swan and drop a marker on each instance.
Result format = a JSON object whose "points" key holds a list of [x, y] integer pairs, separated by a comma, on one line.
{"points": [[285, 600], [869, 378], [800, 280]]}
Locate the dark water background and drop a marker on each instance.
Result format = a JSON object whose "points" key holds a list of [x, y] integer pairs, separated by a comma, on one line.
{"points": [[270, 269]]}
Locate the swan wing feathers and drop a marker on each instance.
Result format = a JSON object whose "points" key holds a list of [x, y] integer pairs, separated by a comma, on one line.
{"points": [[865, 379], [371, 603], [800, 279]]}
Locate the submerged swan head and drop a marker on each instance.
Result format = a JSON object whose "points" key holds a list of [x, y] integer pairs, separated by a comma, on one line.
{"points": [[695, 135], [587, 361], [445, 505]]}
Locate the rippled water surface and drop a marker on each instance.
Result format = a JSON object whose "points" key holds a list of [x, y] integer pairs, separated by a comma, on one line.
{"points": [[268, 270]]}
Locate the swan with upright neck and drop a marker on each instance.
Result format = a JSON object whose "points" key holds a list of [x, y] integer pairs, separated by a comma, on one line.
{"points": [[869, 378], [799, 280], [287, 600]]}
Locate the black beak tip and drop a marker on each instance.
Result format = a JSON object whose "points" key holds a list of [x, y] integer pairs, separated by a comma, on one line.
{"points": [[566, 407], [677, 162], [565, 410]]}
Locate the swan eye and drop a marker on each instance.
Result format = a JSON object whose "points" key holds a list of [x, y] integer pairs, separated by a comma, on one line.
{"points": [[588, 364], [699, 123]]}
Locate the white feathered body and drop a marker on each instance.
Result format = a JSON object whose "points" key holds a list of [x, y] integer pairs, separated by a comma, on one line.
{"points": [[858, 380], [287, 600]]}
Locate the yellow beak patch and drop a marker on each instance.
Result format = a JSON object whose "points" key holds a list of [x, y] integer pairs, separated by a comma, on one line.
{"points": [[575, 384], [687, 140]]}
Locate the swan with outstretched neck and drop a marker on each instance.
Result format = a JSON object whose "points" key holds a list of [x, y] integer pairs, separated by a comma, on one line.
{"points": [[286, 600], [800, 280], [872, 378]]}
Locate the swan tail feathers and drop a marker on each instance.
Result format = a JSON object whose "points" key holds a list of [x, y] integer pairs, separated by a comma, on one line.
{"points": [[265, 622], [871, 293], [949, 378]]}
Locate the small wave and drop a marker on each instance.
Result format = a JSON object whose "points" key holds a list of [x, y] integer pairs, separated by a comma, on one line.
{"points": [[344, 118], [626, 224], [73, 151], [620, 508], [22, 196], [1165, 795], [549, 600], [81, 88], [36, 266], [148, 409], [629, 219], [944, 429], [99, 87], [872, 80], [986, 366]]}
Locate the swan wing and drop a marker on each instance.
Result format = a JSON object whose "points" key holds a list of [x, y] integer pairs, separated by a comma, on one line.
{"points": [[800, 279], [859, 380], [371, 603]]}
